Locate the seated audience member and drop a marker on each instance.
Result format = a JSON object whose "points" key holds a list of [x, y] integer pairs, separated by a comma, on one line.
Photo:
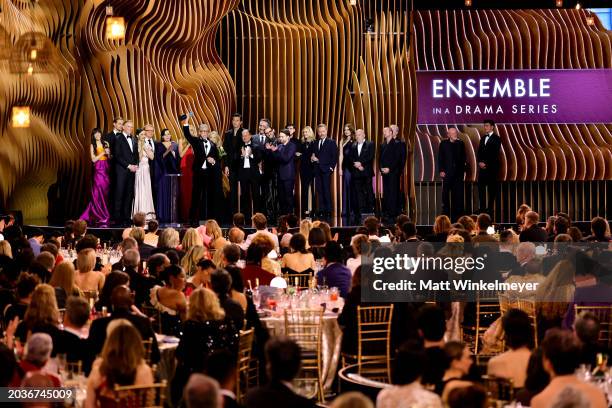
{"points": [[206, 330], [201, 278], [459, 361], [334, 273], [347, 319], [468, 224], [37, 354], [68, 236], [316, 242], [483, 222], [441, 228], [122, 362], [512, 364], [170, 299], [63, 281], [408, 391], [36, 240], [191, 239], [217, 242], [360, 245], [531, 232], [25, 288], [221, 284], [139, 220], [139, 283], [113, 279], [505, 258], [236, 236], [72, 340], [151, 237], [600, 230], [473, 396], [298, 260], [237, 291], [122, 302], [203, 392], [587, 330], [10, 376], [260, 223], [561, 358], [575, 233], [127, 243], [561, 226], [47, 260], [221, 366], [283, 359], [532, 273], [5, 249], [409, 231], [554, 294], [255, 255], [238, 221], [525, 253], [537, 379], [432, 326], [351, 399], [168, 240], [156, 264], [39, 271], [193, 255], [86, 278], [230, 255], [42, 314], [520, 216], [144, 249]]}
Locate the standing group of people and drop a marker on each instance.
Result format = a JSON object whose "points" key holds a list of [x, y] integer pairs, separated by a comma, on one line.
{"points": [[130, 171]]}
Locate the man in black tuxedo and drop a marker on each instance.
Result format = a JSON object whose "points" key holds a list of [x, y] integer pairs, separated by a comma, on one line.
{"points": [[403, 157], [122, 301], [325, 158], [284, 155], [248, 174], [206, 174], [452, 165], [125, 158], [283, 358], [532, 232], [231, 144], [488, 168], [71, 340], [390, 167], [111, 136], [269, 182], [149, 140], [361, 159]]}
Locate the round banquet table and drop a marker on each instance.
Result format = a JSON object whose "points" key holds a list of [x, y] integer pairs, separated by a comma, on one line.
{"points": [[331, 339]]}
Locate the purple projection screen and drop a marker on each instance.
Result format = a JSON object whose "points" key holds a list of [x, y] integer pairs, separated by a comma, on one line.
{"points": [[522, 96]]}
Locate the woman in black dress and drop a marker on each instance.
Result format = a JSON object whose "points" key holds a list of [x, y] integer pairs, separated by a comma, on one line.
{"points": [[305, 150]]}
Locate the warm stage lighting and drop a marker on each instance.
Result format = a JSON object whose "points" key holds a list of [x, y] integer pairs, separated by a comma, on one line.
{"points": [[115, 28], [33, 54], [21, 117], [468, 3], [30, 69], [559, 3], [590, 20], [578, 6], [353, 2]]}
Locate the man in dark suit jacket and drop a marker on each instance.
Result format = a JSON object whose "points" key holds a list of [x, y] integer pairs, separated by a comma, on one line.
{"points": [[206, 174], [325, 158], [122, 302], [452, 165], [231, 144], [111, 136], [125, 158], [361, 158], [403, 157], [531, 231], [139, 283], [283, 357], [221, 365], [70, 340], [284, 154], [247, 163], [390, 168], [488, 168]]}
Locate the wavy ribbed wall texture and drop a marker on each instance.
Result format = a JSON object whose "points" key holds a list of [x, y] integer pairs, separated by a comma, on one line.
{"points": [[518, 39]]}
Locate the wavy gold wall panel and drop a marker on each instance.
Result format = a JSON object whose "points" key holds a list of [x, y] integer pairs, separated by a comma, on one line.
{"points": [[518, 39]]}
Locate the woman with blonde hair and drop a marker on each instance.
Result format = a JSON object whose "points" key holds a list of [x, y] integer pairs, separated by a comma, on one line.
{"points": [[191, 259], [5, 249], [216, 235], [86, 278], [191, 239], [441, 227], [42, 314], [305, 227], [143, 191], [359, 244], [122, 362], [63, 280], [305, 151], [205, 331], [554, 295], [168, 239]]}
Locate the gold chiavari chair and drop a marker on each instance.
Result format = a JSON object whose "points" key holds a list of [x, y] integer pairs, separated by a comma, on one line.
{"points": [[143, 396], [245, 348], [488, 309], [529, 306], [373, 343], [305, 326], [604, 315], [148, 347], [301, 280], [499, 390]]}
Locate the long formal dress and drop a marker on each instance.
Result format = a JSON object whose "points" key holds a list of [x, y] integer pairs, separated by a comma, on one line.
{"points": [[143, 194], [164, 165], [96, 213], [186, 183]]}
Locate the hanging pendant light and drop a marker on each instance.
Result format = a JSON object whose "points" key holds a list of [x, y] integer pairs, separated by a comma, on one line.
{"points": [[20, 117], [115, 26]]}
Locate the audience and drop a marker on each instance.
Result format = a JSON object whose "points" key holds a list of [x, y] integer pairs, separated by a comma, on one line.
{"points": [[561, 357], [144, 249], [221, 366], [42, 314], [587, 330], [531, 232], [283, 360], [72, 339], [536, 380], [202, 392], [151, 237], [334, 273], [113, 279], [25, 288], [87, 279], [170, 300], [360, 245], [253, 271], [260, 223], [63, 280], [221, 284], [459, 361], [298, 260], [37, 354]]}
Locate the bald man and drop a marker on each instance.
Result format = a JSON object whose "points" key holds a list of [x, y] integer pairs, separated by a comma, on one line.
{"points": [[451, 167]]}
